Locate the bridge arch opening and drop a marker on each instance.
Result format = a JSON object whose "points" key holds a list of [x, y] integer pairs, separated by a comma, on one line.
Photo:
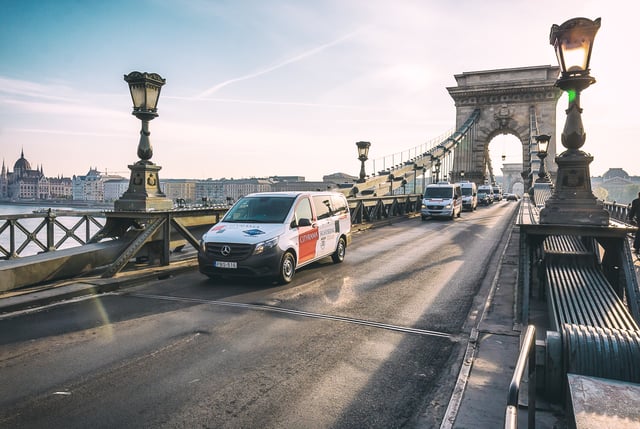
{"points": [[513, 104], [507, 155]]}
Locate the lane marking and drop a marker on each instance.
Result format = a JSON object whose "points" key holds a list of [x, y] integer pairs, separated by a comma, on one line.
{"points": [[270, 308]]}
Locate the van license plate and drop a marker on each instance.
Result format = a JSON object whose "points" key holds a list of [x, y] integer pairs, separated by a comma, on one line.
{"points": [[225, 264]]}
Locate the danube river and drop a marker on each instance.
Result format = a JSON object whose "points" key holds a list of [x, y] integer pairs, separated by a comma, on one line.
{"points": [[32, 222]]}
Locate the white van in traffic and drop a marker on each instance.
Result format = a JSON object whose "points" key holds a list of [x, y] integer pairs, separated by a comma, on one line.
{"points": [[497, 192], [442, 200], [485, 195], [469, 195], [274, 233]]}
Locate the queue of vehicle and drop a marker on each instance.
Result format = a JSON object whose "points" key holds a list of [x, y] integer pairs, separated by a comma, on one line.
{"points": [[272, 234]]}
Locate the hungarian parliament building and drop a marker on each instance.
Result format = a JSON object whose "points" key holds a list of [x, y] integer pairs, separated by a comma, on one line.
{"points": [[26, 184]]}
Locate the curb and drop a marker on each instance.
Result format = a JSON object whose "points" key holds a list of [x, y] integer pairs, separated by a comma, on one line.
{"points": [[43, 295]]}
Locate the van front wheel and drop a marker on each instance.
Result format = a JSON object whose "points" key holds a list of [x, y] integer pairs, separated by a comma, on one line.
{"points": [[287, 268], [341, 250]]}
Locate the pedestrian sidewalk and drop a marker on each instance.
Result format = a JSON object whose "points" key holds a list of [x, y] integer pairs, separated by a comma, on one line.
{"points": [[480, 396], [494, 346]]}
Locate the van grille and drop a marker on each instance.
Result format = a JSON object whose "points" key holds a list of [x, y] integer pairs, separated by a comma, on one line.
{"points": [[238, 252]]}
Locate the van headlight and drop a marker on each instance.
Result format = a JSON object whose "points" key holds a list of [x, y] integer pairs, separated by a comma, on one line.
{"points": [[265, 245], [448, 206]]}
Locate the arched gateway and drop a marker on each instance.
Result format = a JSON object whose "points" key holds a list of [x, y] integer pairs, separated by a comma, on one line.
{"points": [[518, 101]]}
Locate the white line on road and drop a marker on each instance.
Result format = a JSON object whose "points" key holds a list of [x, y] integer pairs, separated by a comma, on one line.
{"points": [[271, 308]]}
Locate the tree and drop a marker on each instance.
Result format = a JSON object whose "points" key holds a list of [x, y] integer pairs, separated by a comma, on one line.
{"points": [[601, 193], [629, 193]]}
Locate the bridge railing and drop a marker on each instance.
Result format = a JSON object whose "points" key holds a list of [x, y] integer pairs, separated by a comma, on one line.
{"points": [[24, 235], [46, 231], [617, 211], [526, 359], [395, 160]]}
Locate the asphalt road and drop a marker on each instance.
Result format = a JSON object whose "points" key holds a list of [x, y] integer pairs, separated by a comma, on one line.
{"points": [[373, 342]]}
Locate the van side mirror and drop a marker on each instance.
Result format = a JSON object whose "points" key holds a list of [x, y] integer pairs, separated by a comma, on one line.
{"points": [[304, 222]]}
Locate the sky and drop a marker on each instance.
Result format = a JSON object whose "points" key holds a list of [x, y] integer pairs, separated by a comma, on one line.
{"points": [[256, 88]]}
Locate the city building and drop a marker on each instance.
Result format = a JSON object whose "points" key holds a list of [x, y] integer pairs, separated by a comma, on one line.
{"points": [[31, 184], [339, 178], [114, 187], [23, 182], [184, 189], [616, 185]]}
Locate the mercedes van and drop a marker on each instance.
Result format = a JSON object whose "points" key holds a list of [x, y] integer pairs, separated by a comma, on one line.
{"points": [[469, 196], [272, 234], [442, 200], [497, 193], [485, 195]]}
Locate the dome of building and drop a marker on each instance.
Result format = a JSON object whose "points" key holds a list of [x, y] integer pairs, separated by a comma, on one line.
{"points": [[21, 164], [615, 172]]}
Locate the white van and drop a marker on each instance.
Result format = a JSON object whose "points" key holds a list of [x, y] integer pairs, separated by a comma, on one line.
{"points": [[442, 200], [274, 233], [497, 193], [485, 195], [469, 195]]}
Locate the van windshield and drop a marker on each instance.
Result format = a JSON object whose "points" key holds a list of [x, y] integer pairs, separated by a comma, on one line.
{"points": [[260, 209], [467, 191], [438, 193]]}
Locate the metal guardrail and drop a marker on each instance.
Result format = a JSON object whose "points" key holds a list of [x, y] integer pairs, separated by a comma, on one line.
{"points": [[49, 233], [526, 359], [371, 209]]}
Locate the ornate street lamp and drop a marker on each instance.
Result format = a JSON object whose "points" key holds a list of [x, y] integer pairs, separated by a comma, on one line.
{"points": [[363, 155], [543, 145], [144, 191], [572, 201], [145, 92], [390, 179]]}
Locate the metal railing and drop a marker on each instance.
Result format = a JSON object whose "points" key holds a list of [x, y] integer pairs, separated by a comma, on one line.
{"points": [[46, 231], [396, 159], [526, 359], [371, 209], [30, 233]]}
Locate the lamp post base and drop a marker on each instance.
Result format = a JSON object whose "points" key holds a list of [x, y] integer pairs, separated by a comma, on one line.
{"points": [[144, 192], [573, 201]]}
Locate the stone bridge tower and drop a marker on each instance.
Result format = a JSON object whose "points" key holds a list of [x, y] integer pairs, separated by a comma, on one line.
{"points": [[520, 101], [511, 175]]}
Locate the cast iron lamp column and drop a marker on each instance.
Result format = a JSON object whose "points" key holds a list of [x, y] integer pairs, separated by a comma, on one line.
{"points": [[572, 201], [543, 145], [416, 168], [390, 179], [144, 191], [363, 155], [436, 170]]}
